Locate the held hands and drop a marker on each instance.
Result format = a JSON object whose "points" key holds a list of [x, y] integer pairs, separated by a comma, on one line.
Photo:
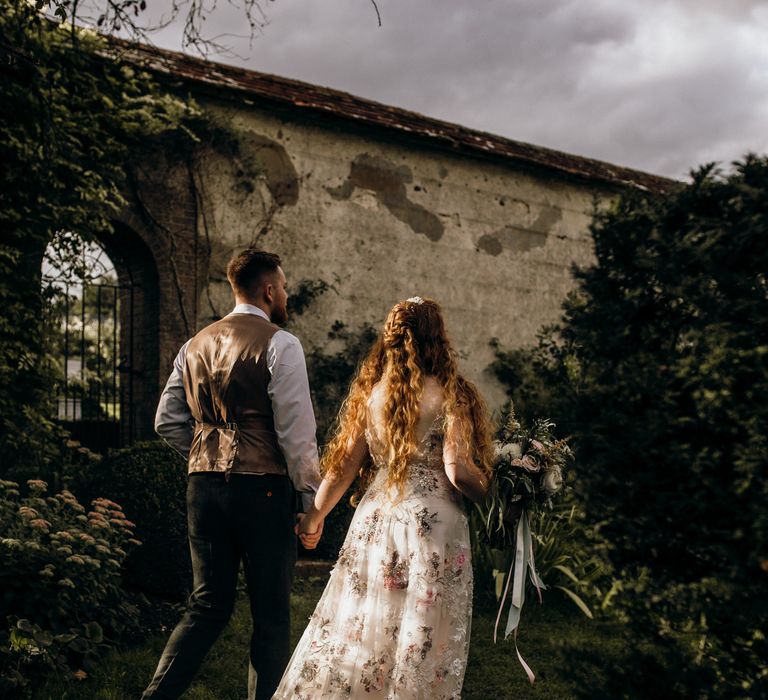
{"points": [[309, 528]]}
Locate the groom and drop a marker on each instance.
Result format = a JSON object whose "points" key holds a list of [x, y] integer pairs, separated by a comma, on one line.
{"points": [[237, 404]]}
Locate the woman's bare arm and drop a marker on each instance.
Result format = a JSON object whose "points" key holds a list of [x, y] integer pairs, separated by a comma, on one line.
{"points": [[331, 491], [460, 468]]}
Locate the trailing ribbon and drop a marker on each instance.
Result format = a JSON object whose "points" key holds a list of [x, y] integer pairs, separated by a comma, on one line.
{"points": [[522, 562]]}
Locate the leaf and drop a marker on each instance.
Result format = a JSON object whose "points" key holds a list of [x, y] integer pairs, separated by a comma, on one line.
{"points": [[79, 645], [577, 600], [94, 632], [43, 638], [64, 638], [565, 570], [25, 626], [498, 577]]}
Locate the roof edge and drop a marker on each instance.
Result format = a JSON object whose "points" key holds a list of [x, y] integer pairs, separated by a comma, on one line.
{"points": [[343, 105]]}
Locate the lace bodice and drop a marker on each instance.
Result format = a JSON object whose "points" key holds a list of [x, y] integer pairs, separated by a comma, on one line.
{"points": [[426, 472]]}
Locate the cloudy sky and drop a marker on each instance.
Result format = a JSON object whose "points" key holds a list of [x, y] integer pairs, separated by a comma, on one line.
{"points": [[659, 85]]}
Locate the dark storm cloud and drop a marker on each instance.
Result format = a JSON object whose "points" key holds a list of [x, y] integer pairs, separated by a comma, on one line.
{"points": [[662, 86]]}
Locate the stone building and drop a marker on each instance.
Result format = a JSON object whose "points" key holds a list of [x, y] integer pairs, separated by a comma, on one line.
{"points": [[378, 202]]}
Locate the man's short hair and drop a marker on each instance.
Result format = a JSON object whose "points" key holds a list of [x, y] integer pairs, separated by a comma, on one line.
{"points": [[247, 269]]}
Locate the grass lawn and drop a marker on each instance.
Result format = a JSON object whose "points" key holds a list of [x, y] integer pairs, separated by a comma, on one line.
{"points": [[546, 634]]}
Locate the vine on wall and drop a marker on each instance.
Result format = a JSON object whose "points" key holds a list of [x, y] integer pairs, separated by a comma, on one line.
{"points": [[71, 115]]}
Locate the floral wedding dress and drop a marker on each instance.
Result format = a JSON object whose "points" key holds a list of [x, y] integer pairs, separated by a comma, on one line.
{"points": [[394, 620]]}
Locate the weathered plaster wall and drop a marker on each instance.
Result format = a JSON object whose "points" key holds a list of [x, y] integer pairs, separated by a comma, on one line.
{"points": [[379, 219], [383, 221]]}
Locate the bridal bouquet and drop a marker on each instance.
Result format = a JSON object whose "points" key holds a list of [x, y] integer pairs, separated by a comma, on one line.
{"points": [[527, 475]]}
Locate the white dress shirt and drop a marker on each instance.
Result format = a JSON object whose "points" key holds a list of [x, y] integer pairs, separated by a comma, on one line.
{"points": [[288, 390]]}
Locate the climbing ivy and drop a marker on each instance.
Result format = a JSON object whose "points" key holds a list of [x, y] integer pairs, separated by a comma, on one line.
{"points": [[71, 113]]}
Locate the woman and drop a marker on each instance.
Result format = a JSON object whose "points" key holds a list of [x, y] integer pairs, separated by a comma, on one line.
{"points": [[394, 619]]}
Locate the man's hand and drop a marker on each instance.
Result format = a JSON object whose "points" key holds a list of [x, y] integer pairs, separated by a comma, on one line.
{"points": [[309, 530]]}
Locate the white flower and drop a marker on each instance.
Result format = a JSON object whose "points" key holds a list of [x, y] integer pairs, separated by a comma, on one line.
{"points": [[553, 481], [514, 450], [506, 451]]}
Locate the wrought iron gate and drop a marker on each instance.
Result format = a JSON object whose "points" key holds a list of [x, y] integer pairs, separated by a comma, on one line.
{"points": [[92, 321]]}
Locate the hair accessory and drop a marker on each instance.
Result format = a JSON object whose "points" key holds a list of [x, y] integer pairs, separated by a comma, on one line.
{"points": [[416, 300]]}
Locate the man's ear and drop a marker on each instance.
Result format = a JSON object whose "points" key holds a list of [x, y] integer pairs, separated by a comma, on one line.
{"points": [[269, 292]]}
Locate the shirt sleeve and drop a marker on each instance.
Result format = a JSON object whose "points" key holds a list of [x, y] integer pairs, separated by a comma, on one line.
{"points": [[173, 420], [294, 417]]}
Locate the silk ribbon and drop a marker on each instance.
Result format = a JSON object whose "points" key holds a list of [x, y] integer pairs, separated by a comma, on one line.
{"points": [[523, 562]]}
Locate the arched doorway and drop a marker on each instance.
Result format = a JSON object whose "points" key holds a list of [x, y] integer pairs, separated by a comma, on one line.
{"points": [[103, 318]]}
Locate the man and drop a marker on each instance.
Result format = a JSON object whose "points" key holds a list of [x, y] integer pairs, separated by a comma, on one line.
{"points": [[237, 404]]}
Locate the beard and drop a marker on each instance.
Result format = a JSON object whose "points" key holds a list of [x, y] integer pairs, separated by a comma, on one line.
{"points": [[279, 316]]}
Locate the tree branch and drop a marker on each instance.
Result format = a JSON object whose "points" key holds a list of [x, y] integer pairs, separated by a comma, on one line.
{"points": [[378, 14]]}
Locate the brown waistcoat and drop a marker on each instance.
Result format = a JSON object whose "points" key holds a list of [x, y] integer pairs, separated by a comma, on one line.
{"points": [[226, 380]]}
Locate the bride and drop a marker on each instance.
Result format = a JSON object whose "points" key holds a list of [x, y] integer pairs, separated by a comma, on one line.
{"points": [[394, 619]]}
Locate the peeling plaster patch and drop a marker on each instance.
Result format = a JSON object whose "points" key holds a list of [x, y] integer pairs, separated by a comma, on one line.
{"points": [[259, 157], [488, 243], [547, 218], [388, 182], [513, 240]]}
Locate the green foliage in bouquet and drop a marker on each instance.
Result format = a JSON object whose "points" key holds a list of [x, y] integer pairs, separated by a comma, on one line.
{"points": [[528, 473], [61, 604], [569, 557]]}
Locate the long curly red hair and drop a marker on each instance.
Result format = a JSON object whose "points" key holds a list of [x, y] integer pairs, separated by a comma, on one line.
{"points": [[413, 344]]}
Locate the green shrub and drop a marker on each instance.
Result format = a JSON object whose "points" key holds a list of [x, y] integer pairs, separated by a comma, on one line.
{"points": [[62, 603], [660, 371], [150, 480]]}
